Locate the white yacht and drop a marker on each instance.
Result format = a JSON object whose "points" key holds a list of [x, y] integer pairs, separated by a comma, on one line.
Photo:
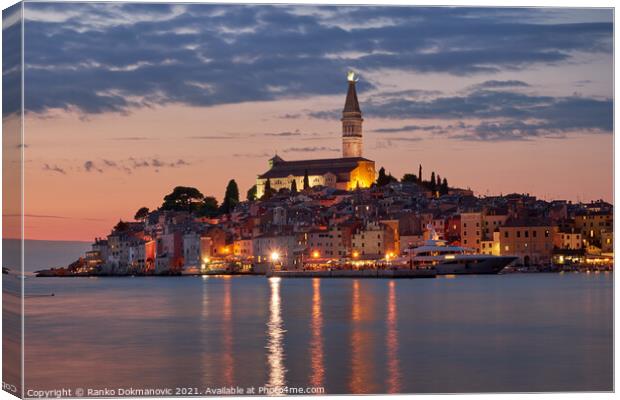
{"points": [[446, 260]]}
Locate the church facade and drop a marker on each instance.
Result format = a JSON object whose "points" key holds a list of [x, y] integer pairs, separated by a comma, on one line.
{"points": [[347, 173]]}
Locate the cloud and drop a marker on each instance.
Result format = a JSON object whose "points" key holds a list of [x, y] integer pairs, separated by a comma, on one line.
{"points": [[54, 217], [90, 166], [212, 137], [54, 168], [132, 138], [492, 84], [311, 149], [103, 57], [408, 128], [390, 142], [290, 116], [127, 165], [285, 134], [252, 155], [504, 115]]}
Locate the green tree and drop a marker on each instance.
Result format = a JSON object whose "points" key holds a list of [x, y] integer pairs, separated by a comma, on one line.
{"points": [[209, 207], [182, 198], [231, 197], [306, 180], [141, 214], [121, 226], [411, 178], [251, 195], [381, 177], [268, 190], [384, 179], [294, 186], [420, 173], [444, 186], [432, 185]]}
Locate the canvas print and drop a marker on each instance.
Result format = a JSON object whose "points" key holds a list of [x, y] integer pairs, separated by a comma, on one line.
{"points": [[249, 199]]}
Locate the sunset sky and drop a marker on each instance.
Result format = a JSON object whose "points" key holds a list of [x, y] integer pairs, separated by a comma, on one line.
{"points": [[126, 101]]}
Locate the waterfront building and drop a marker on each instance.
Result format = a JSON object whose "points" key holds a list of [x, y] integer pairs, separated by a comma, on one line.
{"points": [[471, 230], [607, 242], [170, 249], [568, 239], [242, 248], [272, 250], [531, 240], [452, 229], [491, 247], [491, 223], [410, 240], [592, 225], [192, 255], [350, 171], [377, 239], [333, 243], [142, 255]]}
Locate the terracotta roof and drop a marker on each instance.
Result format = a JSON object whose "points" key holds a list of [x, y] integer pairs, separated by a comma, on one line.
{"points": [[314, 167]]}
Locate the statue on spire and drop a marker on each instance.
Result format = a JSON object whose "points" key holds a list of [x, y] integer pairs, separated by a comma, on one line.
{"points": [[352, 76]]}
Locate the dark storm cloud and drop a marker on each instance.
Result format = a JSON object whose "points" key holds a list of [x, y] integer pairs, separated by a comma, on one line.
{"points": [[114, 57], [504, 115], [11, 60]]}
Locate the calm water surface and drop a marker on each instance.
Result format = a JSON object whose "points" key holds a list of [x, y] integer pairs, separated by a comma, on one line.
{"points": [[530, 332]]}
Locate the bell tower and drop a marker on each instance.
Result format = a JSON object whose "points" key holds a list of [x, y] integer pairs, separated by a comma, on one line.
{"points": [[351, 121]]}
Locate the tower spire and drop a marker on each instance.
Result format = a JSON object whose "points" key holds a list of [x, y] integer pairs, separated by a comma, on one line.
{"points": [[351, 121]]}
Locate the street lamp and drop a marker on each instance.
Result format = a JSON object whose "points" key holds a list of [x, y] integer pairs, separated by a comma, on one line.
{"points": [[274, 257], [315, 254]]}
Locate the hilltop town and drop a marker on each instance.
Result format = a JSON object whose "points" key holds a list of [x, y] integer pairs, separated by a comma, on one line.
{"points": [[323, 225], [339, 213]]}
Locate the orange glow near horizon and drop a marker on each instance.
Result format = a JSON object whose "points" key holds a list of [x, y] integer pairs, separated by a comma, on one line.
{"points": [[66, 201]]}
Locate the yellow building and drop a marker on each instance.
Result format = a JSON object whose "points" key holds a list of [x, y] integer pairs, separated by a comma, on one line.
{"points": [[593, 226], [377, 239], [348, 172]]}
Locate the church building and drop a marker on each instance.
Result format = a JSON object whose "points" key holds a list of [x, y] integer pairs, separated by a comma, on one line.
{"points": [[348, 172]]}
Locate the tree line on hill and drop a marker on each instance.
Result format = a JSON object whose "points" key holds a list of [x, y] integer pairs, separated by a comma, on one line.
{"points": [[184, 198], [435, 184]]}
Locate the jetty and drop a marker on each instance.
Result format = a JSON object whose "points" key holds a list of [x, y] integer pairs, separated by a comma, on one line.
{"points": [[365, 273]]}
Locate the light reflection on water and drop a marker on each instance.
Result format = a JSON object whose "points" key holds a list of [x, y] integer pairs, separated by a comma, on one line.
{"points": [[493, 333], [275, 332], [316, 343], [227, 336], [393, 365]]}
